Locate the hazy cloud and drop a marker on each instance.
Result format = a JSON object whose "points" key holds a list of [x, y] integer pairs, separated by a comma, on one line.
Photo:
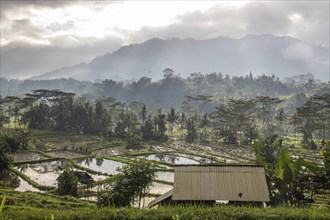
{"points": [[61, 26], [308, 21], [25, 60], [298, 51], [33, 43]]}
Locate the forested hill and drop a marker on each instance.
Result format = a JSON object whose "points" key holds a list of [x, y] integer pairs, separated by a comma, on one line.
{"points": [[284, 56], [172, 90]]}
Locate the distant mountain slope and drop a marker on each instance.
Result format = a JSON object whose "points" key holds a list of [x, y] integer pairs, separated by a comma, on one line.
{"points": [[261, 54]]}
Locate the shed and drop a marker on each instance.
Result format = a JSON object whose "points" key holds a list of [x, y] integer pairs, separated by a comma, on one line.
{"points": [[211, 183]]}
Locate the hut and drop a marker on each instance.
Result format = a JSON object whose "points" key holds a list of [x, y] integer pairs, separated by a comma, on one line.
{"points": [[210, 184], [84, 178]]}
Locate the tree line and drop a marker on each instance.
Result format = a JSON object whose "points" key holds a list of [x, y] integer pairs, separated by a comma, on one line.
{"points": [[237, 121], [171, 90]]}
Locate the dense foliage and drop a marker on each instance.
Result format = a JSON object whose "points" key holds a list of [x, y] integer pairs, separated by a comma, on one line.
{"points": [[172, 89], [200, 109], [10, 142], [129, 186], [291, 180], [235, 121], [67, 182]]}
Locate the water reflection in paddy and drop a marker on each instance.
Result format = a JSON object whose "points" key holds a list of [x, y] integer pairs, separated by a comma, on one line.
{"points": [[98, 177], [25, 186], [170, 158], [16, 182], [100, 165], [44, 173], [165, 176], [159, 188]]}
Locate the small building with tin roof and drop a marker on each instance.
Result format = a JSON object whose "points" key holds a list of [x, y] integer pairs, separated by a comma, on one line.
{"points": [[238, 184]]}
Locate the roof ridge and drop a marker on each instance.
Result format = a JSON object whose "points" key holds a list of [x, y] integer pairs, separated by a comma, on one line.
{"points": [[217, 165]]}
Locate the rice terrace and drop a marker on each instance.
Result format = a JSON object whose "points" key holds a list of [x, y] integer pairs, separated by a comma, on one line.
{"points": [[164, 110]]}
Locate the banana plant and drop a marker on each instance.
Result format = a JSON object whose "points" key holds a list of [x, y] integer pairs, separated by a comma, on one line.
{"points": [[287, 173]]}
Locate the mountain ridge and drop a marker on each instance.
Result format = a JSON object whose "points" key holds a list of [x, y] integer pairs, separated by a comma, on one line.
{"points": [[262, 54]]}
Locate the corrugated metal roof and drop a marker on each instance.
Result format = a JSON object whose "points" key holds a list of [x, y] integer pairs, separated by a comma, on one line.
{"points": [[221, 182]]}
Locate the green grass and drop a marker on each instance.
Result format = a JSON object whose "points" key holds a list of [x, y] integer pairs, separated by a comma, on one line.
{"points": [[58, 140], [30, 200], [2, 204], [32, 205], [178, 212]]}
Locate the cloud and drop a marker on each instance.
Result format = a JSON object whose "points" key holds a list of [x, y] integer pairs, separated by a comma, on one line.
{"points": [[68, 25], [61, 38], [298, 51], [7, 5], [253, 18], [24, 60], [8, 8]]}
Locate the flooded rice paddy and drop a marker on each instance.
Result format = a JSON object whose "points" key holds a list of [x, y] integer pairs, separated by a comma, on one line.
{"points": [[100, 164], [165, 176], [65, 154], [170, 158], [159, 188], [25, 186], [26, 156], [46, 173]]}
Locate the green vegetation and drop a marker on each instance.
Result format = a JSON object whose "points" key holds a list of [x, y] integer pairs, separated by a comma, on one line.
{"points": [[291, 181], [20, 201], [5, 159], [234, 121], [29, 205], [216, 119], [2, 205], [68, 183], [133, 182], [180, 212]]}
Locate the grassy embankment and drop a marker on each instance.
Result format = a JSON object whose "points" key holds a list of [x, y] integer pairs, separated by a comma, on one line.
{"points": [[30, 205]]}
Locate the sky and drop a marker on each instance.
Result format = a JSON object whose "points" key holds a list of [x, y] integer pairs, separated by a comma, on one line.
{"points": [[38, 36]]}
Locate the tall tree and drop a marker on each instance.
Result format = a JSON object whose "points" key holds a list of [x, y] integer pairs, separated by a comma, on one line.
{"points": [[232, 119], [147, 129], [280, 118], [160, 125], [202, 100], [172, 117], [204, 123], [314, 116], [191, 130], [144, 113], [266, 112], [5, 159]]}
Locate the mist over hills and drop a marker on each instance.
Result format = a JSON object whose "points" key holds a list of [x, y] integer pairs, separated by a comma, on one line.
{"points": [[260, 54]]}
